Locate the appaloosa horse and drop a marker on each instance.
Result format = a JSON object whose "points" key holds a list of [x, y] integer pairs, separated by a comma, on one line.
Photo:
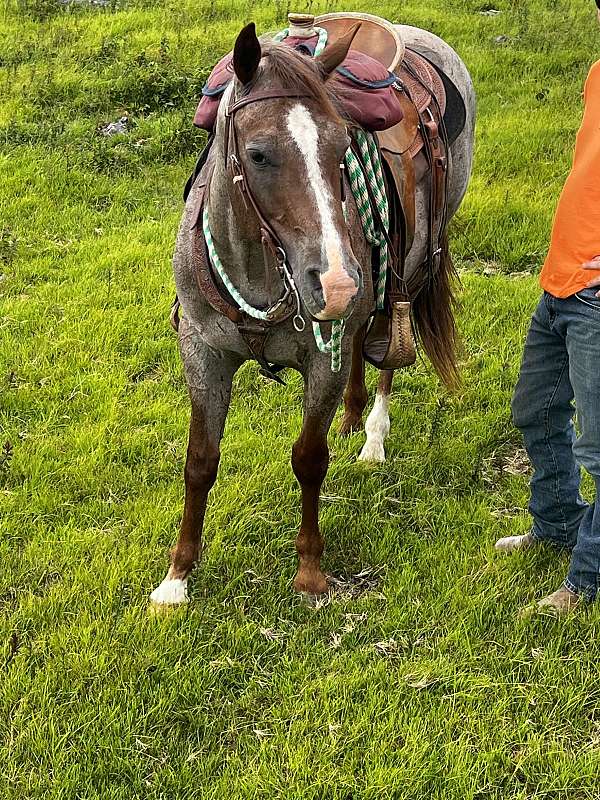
{"points": [[289, 145]]}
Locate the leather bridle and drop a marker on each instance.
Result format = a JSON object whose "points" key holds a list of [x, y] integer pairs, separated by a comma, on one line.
{"points": [[253, 331], [273, 249]]}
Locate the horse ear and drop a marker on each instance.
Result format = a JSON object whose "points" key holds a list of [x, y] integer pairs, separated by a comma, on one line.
{"points": [[335, 54], [246, 54]]}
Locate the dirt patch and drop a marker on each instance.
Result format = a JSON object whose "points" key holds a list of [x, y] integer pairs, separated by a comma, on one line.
{"points": [[505, 461]]}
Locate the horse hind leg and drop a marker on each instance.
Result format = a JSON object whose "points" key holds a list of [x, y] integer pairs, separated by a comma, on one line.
{"points": [[355, 394], [377, 426]]}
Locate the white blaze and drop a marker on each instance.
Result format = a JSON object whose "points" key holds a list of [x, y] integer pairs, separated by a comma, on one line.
{"points": [[306, 137]]}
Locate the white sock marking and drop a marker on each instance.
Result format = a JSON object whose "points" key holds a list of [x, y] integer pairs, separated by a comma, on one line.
{"points": [[171, 592], [377, 427]]}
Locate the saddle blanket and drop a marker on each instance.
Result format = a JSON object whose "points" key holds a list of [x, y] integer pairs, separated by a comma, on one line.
{"points": [[362, 84]]}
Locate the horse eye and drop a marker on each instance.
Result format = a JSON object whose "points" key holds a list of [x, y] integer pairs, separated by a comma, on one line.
{"points": [[258, 158]]}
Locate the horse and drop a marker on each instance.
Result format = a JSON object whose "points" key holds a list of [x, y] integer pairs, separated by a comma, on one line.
{"points": [[288, 148]]}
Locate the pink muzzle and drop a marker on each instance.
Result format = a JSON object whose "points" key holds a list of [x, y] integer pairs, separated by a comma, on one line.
{"points": [[339, 289]]}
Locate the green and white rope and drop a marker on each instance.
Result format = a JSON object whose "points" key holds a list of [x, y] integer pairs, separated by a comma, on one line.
{"points": [[218, 265], [334, 345], [321, 42], [373, 173]]}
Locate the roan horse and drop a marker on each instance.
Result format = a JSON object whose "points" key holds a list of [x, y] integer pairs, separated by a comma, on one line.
{"points": [[291, 145]]}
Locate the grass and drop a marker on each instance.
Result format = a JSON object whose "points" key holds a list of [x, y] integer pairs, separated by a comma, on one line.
{"points": [[417, 680]]}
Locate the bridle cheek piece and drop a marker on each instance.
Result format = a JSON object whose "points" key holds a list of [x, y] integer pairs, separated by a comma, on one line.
{"points": [[273, 249]]}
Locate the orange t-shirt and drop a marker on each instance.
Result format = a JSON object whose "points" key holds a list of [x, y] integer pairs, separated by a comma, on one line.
{"points": [[576, 229]]}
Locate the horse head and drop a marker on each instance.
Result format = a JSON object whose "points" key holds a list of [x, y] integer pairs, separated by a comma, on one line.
{"points": [[291, 141]]}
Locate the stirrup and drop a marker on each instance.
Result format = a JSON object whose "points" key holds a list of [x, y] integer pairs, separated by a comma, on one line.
{"points": [[389, 342]]}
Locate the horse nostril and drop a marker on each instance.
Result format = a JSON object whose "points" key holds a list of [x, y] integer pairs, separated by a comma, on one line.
{"points": [[313, 280], [314, 276]]}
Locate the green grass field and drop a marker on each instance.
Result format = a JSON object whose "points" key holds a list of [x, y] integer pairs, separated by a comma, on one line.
{"points": [[417, 680]]}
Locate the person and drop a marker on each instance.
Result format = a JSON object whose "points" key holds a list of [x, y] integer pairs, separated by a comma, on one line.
{"points": [[561, 364]]}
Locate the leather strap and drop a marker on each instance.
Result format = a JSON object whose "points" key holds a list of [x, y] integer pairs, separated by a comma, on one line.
{"points": [[266, 94], [435, 148], [205, 280], [435, 140], [272, 245]]}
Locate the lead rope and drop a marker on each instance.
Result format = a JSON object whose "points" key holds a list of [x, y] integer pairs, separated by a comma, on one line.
{"points": [[373, 173], [358, 174], [220, 270]]}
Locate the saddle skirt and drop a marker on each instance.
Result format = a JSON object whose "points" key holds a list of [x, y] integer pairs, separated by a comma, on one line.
{"points": [[421, 87]]}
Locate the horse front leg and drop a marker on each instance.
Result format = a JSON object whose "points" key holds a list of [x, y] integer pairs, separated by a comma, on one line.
{"points": [[310, 460], [209, 379]]}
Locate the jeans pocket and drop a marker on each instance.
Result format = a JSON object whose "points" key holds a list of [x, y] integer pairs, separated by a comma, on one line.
{"points": [[588, 296]]}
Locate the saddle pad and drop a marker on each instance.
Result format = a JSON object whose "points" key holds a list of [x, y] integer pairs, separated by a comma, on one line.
{"points": [[363, 86]]}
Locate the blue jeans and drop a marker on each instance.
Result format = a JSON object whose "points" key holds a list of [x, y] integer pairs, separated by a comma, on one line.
{"points": [[561, 363]]}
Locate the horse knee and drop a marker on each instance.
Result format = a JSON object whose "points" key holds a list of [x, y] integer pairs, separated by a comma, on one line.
{"points": [[201, 468], [310, 461]]}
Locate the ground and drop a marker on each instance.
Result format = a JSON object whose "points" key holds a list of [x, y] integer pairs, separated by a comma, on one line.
{"points": [[417, 680]]}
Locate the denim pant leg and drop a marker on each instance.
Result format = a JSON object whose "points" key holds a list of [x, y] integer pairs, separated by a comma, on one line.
{"points": [[543, 411], [583, 344]]}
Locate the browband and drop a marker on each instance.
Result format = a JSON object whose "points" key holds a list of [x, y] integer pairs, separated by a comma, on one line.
{"points": [[268, 94]]}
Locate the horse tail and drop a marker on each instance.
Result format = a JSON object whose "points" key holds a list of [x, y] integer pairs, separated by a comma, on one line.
{"points": [[433, 315]]}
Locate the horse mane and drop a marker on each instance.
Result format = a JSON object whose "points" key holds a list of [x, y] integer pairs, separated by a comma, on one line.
{"points": [[290, 69]]}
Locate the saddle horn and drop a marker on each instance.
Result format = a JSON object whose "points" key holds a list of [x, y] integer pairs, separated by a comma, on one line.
{"points": [[246, 54], [334, 54]]}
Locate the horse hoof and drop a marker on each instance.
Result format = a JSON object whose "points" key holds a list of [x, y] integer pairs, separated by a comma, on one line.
{"points": [[164, 609], [314, 600], [313, 584], [171, 594], [372, 452]]}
